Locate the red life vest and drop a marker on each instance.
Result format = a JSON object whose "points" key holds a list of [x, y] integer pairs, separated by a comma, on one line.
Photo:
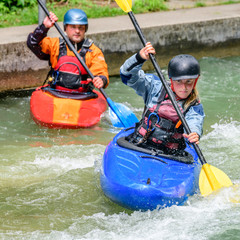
{"points": [[160, 127], [69, 72], [159, 123]]}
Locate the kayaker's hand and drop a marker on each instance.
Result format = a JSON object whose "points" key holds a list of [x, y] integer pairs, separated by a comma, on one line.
{"points": [[192, 137], [48, 22], [144, 52], [98, 82]]}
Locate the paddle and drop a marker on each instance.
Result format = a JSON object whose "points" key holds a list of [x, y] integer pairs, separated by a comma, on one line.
{"points": [[120, 115], [211, 178]]}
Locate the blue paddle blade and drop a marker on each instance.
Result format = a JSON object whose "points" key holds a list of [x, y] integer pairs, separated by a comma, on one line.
{"points": [[120, 115]]}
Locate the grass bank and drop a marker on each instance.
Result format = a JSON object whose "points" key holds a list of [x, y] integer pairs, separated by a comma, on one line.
{"points": [[27, 15], [93, 9]]}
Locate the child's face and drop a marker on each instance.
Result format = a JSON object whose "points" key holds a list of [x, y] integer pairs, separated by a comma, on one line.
{"points": [[183, 87]]}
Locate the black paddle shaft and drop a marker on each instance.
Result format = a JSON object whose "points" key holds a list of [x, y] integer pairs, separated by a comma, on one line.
{"points": [[166, 86], [71, 47]]}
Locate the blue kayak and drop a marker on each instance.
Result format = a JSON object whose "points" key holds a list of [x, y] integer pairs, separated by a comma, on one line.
{"points": [[142, 179]]}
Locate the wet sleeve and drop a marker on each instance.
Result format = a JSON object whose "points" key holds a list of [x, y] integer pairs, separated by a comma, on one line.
{"points": [[97, 65], [195, 118], [130, 69], [145, 85], [34, 39]]}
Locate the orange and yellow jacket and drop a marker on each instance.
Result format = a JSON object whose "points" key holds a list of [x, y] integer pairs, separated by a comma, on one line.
{"points": [[47, 48]]}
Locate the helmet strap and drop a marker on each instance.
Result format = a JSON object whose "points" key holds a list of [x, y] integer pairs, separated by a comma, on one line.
{"points": [[196, 82], [172, 85]]}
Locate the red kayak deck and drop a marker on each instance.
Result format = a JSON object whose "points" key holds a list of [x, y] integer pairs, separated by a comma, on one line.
{"points": [[54, 112]]}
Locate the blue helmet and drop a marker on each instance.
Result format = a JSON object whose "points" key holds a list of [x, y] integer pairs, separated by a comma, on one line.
{"points": [[75, 17]]}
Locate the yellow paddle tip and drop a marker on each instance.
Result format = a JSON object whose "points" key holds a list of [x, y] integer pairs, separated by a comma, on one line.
{"points": [[212, 179], [125, 5]]}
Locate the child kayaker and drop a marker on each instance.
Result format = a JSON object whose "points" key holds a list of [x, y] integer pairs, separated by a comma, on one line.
{"points": [[160, 127]]}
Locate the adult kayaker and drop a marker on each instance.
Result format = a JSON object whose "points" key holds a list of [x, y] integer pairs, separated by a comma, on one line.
{"points": [[160, 127], [66, 71]]}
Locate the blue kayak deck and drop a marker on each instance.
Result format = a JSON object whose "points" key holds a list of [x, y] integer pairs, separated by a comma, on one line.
{"points": [[140, 181]]}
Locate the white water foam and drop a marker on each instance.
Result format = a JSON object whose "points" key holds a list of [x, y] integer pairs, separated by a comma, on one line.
{"points": [[221, 148], [201, 219], [70, 157]]}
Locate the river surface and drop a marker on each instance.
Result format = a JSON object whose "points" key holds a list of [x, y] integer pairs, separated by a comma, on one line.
{"points": [[49, 179]]}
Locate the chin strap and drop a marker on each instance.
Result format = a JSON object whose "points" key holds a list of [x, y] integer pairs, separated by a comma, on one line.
{"points": [[172, 85], [196, 81]]}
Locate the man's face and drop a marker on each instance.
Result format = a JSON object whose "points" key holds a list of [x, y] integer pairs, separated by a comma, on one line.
{"points": [[75, 33]]}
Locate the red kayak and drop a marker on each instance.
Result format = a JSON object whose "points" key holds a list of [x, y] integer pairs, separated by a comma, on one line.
{"points": [[57, 109]]}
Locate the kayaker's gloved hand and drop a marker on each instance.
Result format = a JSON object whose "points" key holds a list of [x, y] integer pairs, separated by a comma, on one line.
{"points": [[97, 82], [192, 137], [48, 22], [144, 52]]}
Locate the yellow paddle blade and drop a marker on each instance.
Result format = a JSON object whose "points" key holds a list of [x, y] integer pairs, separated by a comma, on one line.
{"points": [[125, 5], [212, 179]]}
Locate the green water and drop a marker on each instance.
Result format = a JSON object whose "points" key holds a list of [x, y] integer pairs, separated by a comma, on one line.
{"points": [[49, 179]]}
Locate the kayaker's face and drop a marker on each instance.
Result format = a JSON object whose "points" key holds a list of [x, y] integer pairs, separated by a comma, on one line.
{"points": [[75, 33], [183, 87]]}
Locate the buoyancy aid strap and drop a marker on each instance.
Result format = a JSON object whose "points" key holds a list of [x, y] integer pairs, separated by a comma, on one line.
{"points": [[150, 126], [162, 95], [164, 123], [160, 99], [154, 117], [62, 48], [195, 102], [87, 43], [62, 52], [85, 47]]}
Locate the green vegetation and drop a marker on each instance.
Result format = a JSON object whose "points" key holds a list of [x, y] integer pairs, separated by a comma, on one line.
{"points": [[231, 2], [203, 3], [25, 12], [200, 4], [141, 6]]}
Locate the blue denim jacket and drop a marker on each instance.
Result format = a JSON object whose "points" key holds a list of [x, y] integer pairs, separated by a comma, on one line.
{"points": [[148, 87]]}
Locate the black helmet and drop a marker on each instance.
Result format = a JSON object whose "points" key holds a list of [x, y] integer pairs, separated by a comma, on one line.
{"points": [[183, 66]]}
